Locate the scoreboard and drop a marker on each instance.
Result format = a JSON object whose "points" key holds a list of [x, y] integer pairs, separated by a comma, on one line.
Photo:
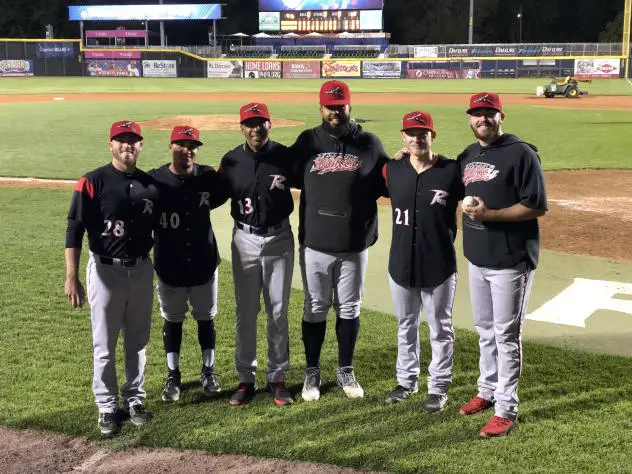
{"points": [[321, 20]]}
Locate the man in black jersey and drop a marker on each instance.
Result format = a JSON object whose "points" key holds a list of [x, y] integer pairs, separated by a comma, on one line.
{"points": [[255, 176], [425, 189], [115, 205], [186, 257]]}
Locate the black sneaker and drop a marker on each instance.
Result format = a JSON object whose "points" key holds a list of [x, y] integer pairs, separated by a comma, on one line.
{"points": [[138, 415], [281, 395], [108, 423], [173, 387], [400, 393], [243, 395], [210, 382], [435, 402]]}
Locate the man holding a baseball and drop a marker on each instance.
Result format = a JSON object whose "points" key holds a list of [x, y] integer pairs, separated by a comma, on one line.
{"points": [[505, 195]]}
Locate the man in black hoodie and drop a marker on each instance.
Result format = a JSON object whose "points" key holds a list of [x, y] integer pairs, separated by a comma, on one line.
{"points": [[504, 196], [339, 170]]}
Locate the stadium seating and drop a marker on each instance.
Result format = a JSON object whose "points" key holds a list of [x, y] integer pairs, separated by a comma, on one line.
{"points": [[302, 52], [355, 52], [250, 52]]}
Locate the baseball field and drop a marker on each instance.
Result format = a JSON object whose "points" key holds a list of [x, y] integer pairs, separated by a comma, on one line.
{"points": [[576, 391]]}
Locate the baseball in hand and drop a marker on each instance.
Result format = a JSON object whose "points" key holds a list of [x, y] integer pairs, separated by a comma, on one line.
{"points": [[470, 201]]}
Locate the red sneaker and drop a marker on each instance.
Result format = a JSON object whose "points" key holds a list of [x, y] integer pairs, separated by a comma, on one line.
{"points": [[497, 426], [475, 405]]}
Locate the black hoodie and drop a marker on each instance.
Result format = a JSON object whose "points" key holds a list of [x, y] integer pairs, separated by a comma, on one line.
{"points": [[502, 174], [340, 180]]}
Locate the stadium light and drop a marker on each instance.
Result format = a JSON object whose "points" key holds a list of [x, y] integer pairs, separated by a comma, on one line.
{"points": [[470, 36], [519, 16]]}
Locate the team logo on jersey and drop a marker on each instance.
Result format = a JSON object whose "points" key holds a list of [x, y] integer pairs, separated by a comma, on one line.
{"points": [[477, 171], [278, 182], [337, 92], [439, 197], [204, 197], [149, 206], [334, 162]]}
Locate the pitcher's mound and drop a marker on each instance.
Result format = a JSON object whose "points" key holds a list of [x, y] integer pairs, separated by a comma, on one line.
{"points": [[208, 122]]}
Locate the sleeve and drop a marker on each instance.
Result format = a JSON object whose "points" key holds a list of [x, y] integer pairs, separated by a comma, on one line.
{"points": [[385, 177], [217, 186], [459, 188], [298, 156], [81, 208], [530, 181], [381, 189]]}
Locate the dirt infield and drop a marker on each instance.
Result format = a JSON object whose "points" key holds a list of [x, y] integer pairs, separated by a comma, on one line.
{"points": [[590, 211], [361, 98], [208, 122]]}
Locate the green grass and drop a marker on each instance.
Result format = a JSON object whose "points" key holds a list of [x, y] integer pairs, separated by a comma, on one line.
{"points": [[66, 139], [575, 412], [45, 85]]}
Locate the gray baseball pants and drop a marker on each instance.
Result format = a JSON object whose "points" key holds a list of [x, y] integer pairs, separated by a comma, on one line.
{"points": [[203, 300], [120, 299], [499, 304], [332, 278], [437, 302], [262, 263]]}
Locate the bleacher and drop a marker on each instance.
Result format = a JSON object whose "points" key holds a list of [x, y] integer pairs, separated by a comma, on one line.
{"points": [[250, 52], [294, 51], [360, 51]]}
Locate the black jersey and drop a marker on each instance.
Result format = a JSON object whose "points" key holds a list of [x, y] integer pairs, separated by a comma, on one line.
{"points": [[117, 210], [505, 173], [424, 221], [186, 253], [341, 178], [258, 184]]}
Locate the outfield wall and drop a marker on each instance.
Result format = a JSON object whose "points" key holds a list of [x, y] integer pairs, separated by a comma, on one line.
{"points": [[66, 58]]}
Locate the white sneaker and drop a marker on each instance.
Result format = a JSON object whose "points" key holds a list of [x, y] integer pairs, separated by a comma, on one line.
{"points": [[346, 379], [311, 385]]}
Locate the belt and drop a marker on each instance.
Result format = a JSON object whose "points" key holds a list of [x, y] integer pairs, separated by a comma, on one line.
{"points": [[262, 230], [122, 262]]}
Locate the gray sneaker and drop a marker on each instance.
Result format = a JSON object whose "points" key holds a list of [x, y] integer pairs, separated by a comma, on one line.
{"points": [[435, 402], [173, 387], [346, 379], [138, 415], [210, 382], [311, 385], [108, 423], [400, 393]]}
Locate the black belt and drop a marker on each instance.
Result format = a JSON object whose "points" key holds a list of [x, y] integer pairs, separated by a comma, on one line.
{"points": [[122, 262], [262, 230]]}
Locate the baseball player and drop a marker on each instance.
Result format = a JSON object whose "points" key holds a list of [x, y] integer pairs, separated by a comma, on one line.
{"points": [[255, 176], [425, 189], [186, 257], [115, 205], [505, 195], [339, 171]]}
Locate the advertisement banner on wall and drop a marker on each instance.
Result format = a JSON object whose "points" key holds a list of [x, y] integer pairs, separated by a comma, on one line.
{"points": [[16, 67], [54, 50], [301, 69], [160, 68], [112, 54], [382, 69], [426, 51], [597, 68], [339, 68], [224, 68], [443, 74], [113, 67], [262, 69]]}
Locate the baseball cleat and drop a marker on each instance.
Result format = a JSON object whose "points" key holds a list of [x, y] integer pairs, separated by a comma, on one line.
{"points": [[138, 415], [496, 427], [281, 395], [475, 405], [210, 382], [435, 402], [243, 395], [346, 379], [400, 393], [311, 385], [108, 423], [173, 387]]}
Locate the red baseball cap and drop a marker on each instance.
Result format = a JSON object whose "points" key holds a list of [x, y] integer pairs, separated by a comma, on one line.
{"points": [[253, 110], [489, 100], [125, 126], [184, 132], [418, 119], [334, 93]]}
